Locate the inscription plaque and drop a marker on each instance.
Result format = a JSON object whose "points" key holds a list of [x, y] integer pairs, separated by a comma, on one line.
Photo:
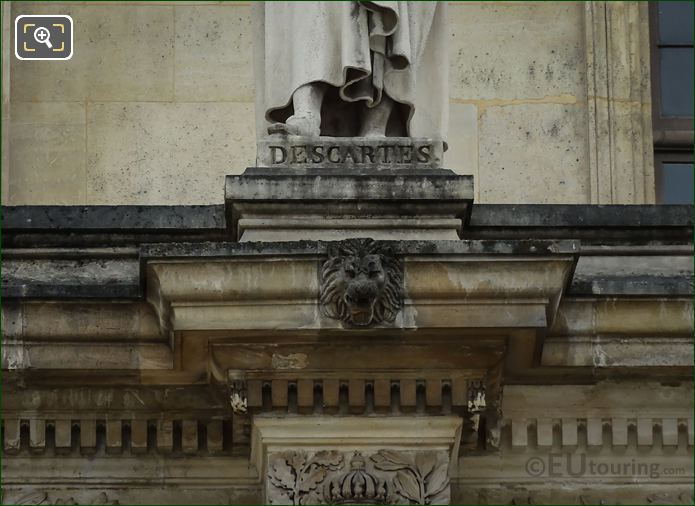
{"points": [[345, 152]]}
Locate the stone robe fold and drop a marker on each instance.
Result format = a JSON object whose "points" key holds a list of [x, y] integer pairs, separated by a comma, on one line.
{"points": [[362, 50]]}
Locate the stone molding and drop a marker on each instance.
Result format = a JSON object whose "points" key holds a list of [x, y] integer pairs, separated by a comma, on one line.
{"points": [[608, 414], [473, 290], [271, 434], [587, 332], [622, 332], [622, 431], [62, 435], [51, 498], [643, 317], [272, 205], [621, 149], [383, 392], [578, 492]]}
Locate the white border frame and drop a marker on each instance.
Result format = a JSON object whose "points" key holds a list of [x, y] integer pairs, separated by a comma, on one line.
{"points": [[72, 35]]}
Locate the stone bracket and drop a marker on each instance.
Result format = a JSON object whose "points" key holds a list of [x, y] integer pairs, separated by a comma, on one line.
{"points": [[476, 284]]}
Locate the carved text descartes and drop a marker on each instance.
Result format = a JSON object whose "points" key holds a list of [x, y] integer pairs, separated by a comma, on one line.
{"points": [[350, 154]]}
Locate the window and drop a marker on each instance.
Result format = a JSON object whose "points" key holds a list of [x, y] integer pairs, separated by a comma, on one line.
{"points": [[672, 99]]}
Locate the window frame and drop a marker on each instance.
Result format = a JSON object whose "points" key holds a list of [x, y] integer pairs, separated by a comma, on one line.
{"points": [[667, 156], [671, 133]]}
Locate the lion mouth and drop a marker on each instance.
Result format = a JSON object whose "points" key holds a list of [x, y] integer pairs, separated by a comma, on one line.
{"points": [[361, 315], [361, 310]]}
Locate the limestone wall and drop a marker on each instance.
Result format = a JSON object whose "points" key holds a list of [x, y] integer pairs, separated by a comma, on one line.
{"points": [[156, 105]]}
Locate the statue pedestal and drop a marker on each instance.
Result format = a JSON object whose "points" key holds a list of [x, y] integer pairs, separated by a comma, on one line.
{"points": [[283, 204], [333, 188]]}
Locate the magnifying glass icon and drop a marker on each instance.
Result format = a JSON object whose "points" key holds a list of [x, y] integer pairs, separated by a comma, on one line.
{"points": [[43, 36]]}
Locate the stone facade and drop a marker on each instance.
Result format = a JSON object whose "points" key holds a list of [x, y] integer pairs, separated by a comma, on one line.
{"points": [[529, 94], [148, 358], [464, 328]]}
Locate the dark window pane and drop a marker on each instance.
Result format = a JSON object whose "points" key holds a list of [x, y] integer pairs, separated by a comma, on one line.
{"points": [[676, 183], [676, 22], [676, 81]]}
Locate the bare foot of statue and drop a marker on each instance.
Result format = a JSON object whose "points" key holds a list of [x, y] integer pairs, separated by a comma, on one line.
{"points": [[306, 120], [375, 120]]}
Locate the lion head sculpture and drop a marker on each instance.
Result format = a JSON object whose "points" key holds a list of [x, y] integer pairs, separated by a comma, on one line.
{"points": [[361, 283]]}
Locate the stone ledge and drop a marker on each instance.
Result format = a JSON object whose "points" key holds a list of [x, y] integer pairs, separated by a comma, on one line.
{"points": [[211, 217], [473, 291], [493, 248], [618, 351], [112, 218], [336, 204]]}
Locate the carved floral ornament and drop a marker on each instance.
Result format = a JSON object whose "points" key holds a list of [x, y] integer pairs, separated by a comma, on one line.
{"points": [[361, 283], [385, 477]]}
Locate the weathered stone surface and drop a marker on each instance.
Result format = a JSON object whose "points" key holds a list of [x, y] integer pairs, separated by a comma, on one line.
{"points": [[74, 321], [347, 153], [533, 154], [71, 277], [581, 216], [619, 102], [81, 356], [517, 488], [503, 55], [5, 60], [525, 291], [634, 275], [213, 52], [608, 399], [103, 403], [267, 205], [121, 402], [462, 153], [535, 218], [132, 158], [633, 316], [625, 250], [516, 51], [662, 230], [47, 155], [109, 62], [616, 351], [621, 332], [130, 495]]}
